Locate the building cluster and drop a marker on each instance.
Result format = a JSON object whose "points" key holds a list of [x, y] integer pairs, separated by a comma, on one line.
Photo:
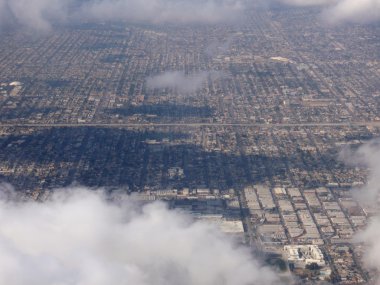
{"points": [[296, 220], [271, 186], [260, 72]]}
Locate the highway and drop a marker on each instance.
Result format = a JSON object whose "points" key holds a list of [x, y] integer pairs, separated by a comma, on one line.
{"points": [[142, 125]]}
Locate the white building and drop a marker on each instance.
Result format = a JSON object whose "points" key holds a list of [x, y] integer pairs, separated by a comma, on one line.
{"points": [[302, 255]]}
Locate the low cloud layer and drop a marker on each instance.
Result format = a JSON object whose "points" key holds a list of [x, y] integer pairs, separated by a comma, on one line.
{"points": [[368, 155], [370, 237], [304, 3], [33, 14], [180, 81], [158, 11], [360, 11], [79, 237], [41, 14], [338, 11]]}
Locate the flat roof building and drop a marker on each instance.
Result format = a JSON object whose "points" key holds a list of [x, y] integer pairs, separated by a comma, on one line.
{"points": [[302, 255]]}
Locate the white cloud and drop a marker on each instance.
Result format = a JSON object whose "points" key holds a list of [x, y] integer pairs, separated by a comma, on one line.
{"points": [[338, 11], [180, 81], [370, 237], [78, 237], [41, 14], [34, 14], [158, 11], [306, 2], [353, 11], [368, 155]]}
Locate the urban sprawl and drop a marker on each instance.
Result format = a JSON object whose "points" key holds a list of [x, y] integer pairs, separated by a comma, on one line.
{"points": [[248, 136]]}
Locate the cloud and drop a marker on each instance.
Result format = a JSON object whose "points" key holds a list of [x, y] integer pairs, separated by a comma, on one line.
{"points": [[218, 47], [367, 155], [79, 237], [370, 237], [353, 11], [180, 81], [33, 14], [338, 11], [165, 11], [41, 14], [306, 2]]}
